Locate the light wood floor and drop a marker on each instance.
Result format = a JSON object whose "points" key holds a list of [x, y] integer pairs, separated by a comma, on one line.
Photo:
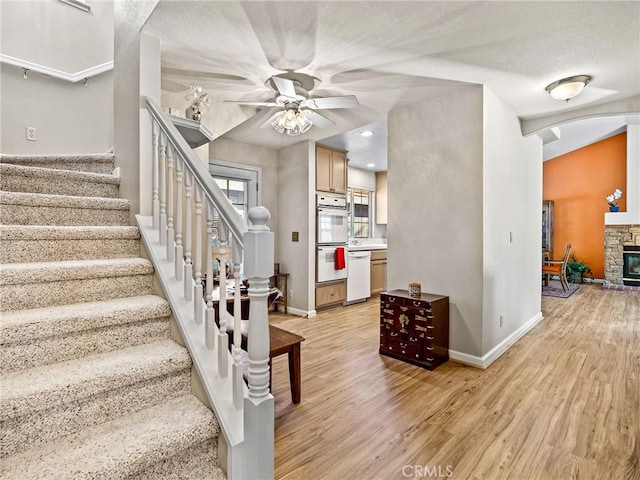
{"points": [[563, 403]]}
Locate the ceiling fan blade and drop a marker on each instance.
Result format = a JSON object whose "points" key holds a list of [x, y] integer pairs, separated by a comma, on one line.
{"points": [[285, 87], [260, 104], [318, 120], [348, 101]]}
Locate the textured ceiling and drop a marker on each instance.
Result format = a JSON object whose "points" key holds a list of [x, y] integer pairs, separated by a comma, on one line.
{"points": [[392, 54]]}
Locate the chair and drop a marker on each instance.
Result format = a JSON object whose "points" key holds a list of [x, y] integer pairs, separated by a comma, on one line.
{"points": [[557, 267]]}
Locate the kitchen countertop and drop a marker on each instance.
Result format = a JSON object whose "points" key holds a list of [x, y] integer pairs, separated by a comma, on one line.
{"points": [[360, 248]]}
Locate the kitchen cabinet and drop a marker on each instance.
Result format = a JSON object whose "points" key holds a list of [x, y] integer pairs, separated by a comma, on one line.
{"points": [[415, 330], [331, 170], [381, 198], [330, 294], [378, 271]]}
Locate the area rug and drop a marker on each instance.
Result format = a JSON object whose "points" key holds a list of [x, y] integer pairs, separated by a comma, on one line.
{"points": [[555, 289]]}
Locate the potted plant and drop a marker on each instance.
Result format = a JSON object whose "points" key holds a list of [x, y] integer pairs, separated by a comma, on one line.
{"points": [[577, 269], [613, 200]]}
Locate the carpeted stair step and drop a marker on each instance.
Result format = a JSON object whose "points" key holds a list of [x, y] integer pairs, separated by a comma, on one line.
{"points": [[43, 209], [96, 162], [35, 285], [18, 178], [34, 243], [162, 441], [48, 402], [42, 336]]}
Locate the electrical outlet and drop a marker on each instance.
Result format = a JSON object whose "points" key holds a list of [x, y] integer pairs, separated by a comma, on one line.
{"points": [[290, 293], [295, 236], [501, 320], [32, 134]]}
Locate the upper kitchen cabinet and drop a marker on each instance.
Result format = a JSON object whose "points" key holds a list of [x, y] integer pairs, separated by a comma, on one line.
{"points": [[381, 198], [331, 170]]}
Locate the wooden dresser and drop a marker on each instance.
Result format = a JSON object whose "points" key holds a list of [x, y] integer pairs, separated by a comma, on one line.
{"points": [[415, 330]]}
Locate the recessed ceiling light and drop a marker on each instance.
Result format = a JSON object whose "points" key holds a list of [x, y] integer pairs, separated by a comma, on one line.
{"points": [[365, 133], [371, 165]]}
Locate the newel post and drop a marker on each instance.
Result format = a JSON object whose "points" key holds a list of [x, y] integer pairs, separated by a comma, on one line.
{"points": [[258, 406]]}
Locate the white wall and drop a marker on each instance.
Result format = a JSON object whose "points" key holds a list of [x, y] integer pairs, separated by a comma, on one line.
{"points": [[512, 215], [246, 154], [69, 118], [296, 213], [129, 17], [465, 190], [359, 178], [435, 207], [632, 190]]}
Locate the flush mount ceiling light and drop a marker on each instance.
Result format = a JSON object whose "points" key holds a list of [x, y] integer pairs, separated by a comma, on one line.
{"points": [[569, 87], [371, 165], [365, 133]]}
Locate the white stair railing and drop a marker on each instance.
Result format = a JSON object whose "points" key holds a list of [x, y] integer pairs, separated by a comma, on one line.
{"points": [[182, 188]]}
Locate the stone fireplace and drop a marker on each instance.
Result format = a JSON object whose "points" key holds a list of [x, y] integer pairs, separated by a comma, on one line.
{"points": [[616, 237]]}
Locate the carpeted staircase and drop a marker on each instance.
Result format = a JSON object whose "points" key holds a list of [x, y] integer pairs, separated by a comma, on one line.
{"points": [[92, 386]]}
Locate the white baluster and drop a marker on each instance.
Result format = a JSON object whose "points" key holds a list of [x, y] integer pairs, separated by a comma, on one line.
{"points": [[223, 338], [155, 199], [170, 232], [197, 251], [179, 259], [210, 320], [188, 266], [163, 190], [238, 381]]}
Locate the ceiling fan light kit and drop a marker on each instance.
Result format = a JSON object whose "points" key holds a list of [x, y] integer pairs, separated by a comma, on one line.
{"points": [[291, 122], [569, 87], [298, 111]]}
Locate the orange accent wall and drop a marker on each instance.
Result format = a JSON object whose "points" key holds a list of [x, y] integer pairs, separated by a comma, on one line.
{"points": [[578, 183]]}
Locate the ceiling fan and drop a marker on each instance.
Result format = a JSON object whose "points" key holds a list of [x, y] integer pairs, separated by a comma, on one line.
{"points": [[297, 110]]}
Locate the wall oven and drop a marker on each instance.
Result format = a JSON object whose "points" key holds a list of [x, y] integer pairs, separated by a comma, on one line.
{"points": [[333, 220], [326, 267]]}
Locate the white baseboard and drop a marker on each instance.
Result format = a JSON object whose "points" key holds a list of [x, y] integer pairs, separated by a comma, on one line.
{"points": [[301, 313], [492, 355]]}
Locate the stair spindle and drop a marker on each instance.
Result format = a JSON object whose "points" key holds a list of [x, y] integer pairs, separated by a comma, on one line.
{"points": [[163, 190], [179, 254], [210, 314], [223, 338], [238, 397], [155, 199], [188, 265], [170, 200], [197, 251]]}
